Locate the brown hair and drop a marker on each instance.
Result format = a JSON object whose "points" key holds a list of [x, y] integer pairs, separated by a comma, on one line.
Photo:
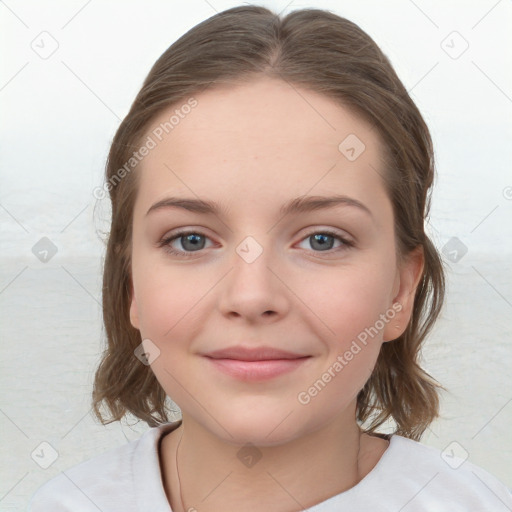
{"points": [[325, 53]]}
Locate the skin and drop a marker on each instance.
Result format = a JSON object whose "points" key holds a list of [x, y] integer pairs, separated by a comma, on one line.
{"points": [[251, 148]]}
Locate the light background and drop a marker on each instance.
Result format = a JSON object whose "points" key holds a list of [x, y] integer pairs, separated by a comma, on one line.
{"points": [[59, 115]]}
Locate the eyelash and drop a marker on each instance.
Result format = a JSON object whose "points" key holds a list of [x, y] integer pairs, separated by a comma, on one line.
{"points": [[165, 242]]}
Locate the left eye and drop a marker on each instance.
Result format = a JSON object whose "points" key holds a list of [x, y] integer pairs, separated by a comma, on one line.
{"points": [[193, 241], [323, 241]]}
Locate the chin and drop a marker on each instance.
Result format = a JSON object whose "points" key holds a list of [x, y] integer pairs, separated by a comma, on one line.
{"points": [[261, 427]]}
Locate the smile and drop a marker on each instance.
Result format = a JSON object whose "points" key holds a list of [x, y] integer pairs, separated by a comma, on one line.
{"points": [[258, 370]]}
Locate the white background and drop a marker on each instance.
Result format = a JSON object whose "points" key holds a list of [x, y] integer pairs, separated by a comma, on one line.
{"points": [[59, 115]]}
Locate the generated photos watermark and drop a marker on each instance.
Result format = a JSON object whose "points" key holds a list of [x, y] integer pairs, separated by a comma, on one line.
{"points": [[151, 142], [342, 360]]}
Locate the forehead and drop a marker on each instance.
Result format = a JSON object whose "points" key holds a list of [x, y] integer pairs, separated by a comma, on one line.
{"points": [[265, 138]]}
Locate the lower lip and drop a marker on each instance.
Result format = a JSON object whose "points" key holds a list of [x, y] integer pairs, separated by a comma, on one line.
{"points": [[257, 370]]}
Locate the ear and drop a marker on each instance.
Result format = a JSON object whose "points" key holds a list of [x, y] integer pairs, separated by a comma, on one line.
{"points": [[407, 279], [134, 311]]}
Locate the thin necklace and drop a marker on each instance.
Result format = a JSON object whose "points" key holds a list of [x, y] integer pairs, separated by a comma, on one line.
{"points": [[178, 471]]}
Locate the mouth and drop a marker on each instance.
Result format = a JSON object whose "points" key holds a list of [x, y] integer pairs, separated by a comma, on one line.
{"points": [[255, 364]]}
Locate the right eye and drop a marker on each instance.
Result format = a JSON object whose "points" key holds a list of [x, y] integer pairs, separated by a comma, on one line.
{"points": [[190, 241]]}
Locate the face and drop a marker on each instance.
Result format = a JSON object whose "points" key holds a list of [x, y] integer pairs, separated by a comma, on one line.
{"points": [[308, 281]]}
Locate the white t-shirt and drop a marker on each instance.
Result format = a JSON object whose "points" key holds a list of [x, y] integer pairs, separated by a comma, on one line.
{"points": [[408, 477]]}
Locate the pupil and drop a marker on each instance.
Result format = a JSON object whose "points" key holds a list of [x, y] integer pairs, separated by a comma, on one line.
{"points": [[193, 239], [320, 238]]}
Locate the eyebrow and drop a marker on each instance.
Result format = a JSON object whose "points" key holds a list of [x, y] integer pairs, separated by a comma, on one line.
{"points": [[298, 205]]}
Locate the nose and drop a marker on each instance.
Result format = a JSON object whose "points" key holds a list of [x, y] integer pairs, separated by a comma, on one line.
{"points": [[253, 290]]}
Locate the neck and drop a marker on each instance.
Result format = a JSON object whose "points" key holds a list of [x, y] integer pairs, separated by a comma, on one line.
{"points": [[205, 473]]}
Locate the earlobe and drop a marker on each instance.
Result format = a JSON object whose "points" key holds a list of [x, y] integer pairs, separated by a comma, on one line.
{"points": [[134, 312], [410, 274]]}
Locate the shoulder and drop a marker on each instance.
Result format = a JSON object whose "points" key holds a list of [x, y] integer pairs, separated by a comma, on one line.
{"points": [[441, 479], [84, 486], [413, 477], [113, 481]]}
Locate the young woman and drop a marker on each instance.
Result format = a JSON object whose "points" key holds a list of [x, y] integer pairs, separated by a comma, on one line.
{"points": [[268, 270]]}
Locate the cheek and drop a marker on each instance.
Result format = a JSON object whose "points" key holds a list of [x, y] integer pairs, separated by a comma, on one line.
{"points": [[348, 302], [170, 318], [349, 309], [161, 308], [170, 304]]}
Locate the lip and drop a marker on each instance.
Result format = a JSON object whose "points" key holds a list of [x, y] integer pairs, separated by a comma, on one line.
{"points": [[255, 364], [262, 353]]}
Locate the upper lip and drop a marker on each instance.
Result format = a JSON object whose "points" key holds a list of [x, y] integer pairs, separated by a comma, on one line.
{"points": [[253, 354]]}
